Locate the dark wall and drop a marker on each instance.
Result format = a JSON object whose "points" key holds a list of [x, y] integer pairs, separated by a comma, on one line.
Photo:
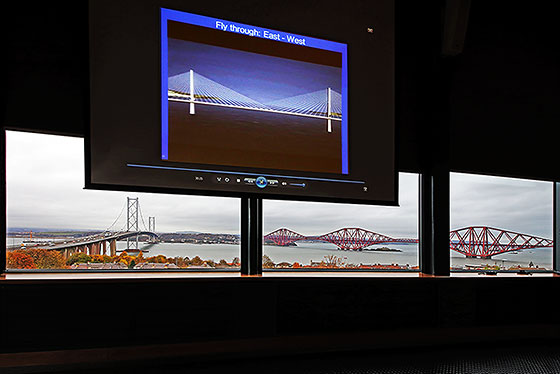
{"points": [[83, 314], [505, 91], [46, 85], [500, 99], [420, 82], [45, 76]]}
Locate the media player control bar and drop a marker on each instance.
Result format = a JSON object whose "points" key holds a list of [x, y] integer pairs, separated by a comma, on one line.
{"points": [[244, 173]]}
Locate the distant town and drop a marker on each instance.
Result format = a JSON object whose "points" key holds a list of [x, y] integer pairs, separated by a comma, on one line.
{"points": [[175, 237]]}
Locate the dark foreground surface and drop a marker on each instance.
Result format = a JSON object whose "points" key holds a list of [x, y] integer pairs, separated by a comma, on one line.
{"points": [[537, 358], [239, 137]]}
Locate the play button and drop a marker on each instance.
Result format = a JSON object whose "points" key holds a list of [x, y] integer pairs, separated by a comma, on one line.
{"points": [[261, 182]]}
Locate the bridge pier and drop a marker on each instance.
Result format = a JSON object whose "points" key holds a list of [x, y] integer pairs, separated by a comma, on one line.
{"points": [[113, 247], [100, 245]]}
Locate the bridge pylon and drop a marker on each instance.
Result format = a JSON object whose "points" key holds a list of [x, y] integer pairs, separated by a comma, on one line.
{"points": [[152, 224], [132, 210]]}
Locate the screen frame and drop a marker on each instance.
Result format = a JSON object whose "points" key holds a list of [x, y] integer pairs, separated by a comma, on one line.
{"points": [[203, 21], [242, 194]]}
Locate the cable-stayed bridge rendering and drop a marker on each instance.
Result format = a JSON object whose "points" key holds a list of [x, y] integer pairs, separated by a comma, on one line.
{"points": [[193, 88]]}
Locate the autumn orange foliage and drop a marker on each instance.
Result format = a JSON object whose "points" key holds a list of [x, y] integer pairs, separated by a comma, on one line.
{"points": [[19, 260], [35, 258], [45, 259]]}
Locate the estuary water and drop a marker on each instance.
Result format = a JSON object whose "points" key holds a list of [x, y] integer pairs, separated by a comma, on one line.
{"points": [[308, 252]]}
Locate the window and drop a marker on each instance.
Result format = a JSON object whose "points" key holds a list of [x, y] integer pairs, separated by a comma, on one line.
{"points": [[500, 223], [54, 223], [308, 236]]}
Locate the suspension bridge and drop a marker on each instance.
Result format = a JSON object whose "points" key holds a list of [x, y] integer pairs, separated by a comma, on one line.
{"points": [[475, 241], [193, 88], [105, 243]]}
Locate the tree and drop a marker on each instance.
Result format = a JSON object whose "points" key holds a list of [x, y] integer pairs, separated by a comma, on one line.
{"points": [[78, 258], [124, 258], [332, 261], [45, 259], [267, 263], [197, 261], [182, 262], [159, 259], [18, 260], [223, 263], [101, 259]]}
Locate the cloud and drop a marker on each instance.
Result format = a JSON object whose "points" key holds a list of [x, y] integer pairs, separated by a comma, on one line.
{"points": [[45, 189], [513, 204], [320, 218], [45, 180]]}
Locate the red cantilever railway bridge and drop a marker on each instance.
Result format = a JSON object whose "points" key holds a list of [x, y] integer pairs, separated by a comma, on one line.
{"points": [[485, 242], [475, 241], [347, 238]]}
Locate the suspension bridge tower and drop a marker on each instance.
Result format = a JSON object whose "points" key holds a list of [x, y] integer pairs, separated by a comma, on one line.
{"points": [[152, 224], [132, 210]]}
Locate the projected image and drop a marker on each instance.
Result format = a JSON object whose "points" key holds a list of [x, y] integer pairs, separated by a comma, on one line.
{"points": [[238, 100]]}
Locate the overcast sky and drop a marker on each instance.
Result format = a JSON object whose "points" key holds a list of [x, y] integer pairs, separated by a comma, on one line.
{"points": [[45, 180], [514, 204]]}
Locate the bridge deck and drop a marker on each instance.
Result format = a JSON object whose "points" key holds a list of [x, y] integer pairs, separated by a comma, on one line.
{"points": [[109, 238]]}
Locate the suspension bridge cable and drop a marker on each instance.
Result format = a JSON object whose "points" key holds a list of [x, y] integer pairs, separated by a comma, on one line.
{"points": [[124, 228], [142, 217], [115, 221]]}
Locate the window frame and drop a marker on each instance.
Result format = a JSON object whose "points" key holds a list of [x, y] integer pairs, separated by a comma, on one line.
{"points": [[555, 234], [3, 251], [354, 270], [433, 249]]}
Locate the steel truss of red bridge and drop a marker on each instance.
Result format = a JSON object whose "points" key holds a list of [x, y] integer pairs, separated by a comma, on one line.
{"points": [[347, 238], [475, 241], [485, 242]]}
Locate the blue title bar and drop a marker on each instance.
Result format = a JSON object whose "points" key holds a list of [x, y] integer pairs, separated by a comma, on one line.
{"points": [[254, 31]]}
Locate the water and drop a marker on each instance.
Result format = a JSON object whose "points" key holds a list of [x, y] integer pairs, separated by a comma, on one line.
{"points": [[541, 257], [306, 252], [215, 252]]}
